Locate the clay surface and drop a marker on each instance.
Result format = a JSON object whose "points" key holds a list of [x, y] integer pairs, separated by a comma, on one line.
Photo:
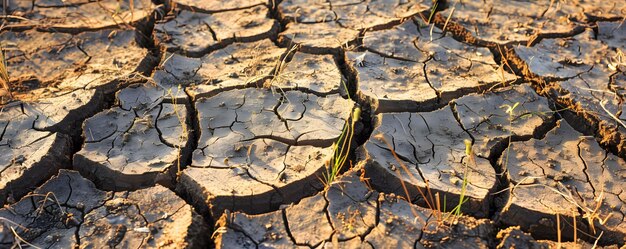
{"points": [[513, 237], [76, 16], [311, 73], [410, 68], [494, 118], [86, 60], [67, 75], [271, 147], [356, 15], [321, 38], [28, 156], [136, 144], [430, 150], [522, 21], [195, 34], [327, 27], [236, 66], [360, 217], [589, 70], [201, 124], [568, 174], [212, 6], [68, 211]]}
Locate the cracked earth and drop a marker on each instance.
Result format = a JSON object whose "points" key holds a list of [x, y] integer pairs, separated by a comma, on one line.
{"points": [[214, 124]]}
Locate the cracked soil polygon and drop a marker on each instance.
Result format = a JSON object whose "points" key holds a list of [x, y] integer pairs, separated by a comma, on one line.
{"points": [[568, 174], [355, 15], [68, 211], [319, 38], [67, 76], [360, 217], [431, 147], [77, 16], [311, 73], [589, 71], [325, 27], [85, 60], [259, 149], [522, 21], [217, 6], [28, 156], [196, 34], [236, 66], [513, 237], [133, 148], [410, 68], [486, 117]]}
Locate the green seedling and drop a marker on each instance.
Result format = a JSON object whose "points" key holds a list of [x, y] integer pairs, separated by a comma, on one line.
{"points": [[341, 152], [462, 199]]}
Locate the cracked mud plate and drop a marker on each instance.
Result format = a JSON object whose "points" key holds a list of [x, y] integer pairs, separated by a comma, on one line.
{"points": [[238, 65], [428, 150], [136, 144], [68, 211], [350, 215], [76, 16], [511, 21], [567, 174], [66, 77], [195, 34], [410, 68], [28, 156], [259, 149], [588, 70]]}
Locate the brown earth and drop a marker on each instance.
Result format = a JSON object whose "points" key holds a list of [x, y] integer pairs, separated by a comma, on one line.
{"points": [[195, 124]]}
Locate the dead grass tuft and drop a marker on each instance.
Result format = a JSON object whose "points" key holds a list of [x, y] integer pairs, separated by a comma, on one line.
{"points": [[4, 76]]}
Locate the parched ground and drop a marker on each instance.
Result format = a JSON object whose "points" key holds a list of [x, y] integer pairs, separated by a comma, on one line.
{"points": [[214, 124]]}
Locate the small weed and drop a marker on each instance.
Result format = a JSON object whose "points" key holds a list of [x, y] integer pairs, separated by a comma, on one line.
{"points": [[427, 196], [219, 230], [511, 111], [433, 10], [42, 204], [341, 153], [277, 76], [185, 130], [595, 243], [18, 237], [6, 223], [449, 17], [47, 198], [462, 199], [574, 215], [592, 214], [619, 121]]}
